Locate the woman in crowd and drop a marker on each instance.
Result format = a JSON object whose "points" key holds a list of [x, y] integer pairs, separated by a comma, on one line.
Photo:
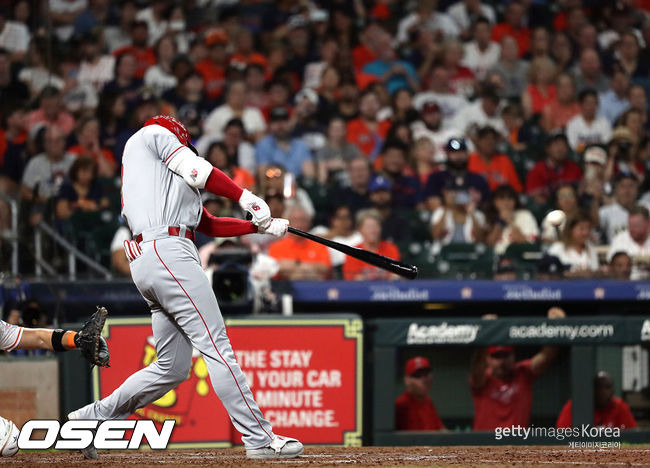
{"points": [[564, 198], [510, 224], [540, 92], [89, 145], [217, 155], [82, 192], [563, 108], [574, 249]]}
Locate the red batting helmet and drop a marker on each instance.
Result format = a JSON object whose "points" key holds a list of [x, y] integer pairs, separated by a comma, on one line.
{"points": [[174, 126]]}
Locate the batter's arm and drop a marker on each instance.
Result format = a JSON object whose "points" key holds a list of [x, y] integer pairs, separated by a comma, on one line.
{"points": [[224, 227]]}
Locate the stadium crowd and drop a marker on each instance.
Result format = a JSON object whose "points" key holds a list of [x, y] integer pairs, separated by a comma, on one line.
{"points": [[421, 129]]}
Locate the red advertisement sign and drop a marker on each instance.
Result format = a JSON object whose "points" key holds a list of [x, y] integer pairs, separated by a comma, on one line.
{"points": [[305, 375]]}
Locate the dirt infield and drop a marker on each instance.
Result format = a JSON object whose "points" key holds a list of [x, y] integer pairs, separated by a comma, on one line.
{"points": [[358, 456]]}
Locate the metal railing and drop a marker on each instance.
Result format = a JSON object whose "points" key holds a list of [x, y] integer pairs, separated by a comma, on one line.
{"points": [[72, 253]]}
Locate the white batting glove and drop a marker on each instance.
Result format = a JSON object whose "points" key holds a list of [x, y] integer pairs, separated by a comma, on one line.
{"points": [[277, 227], [257, 207]]}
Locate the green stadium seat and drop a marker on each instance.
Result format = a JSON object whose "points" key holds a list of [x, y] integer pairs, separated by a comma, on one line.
{"points": [[466, 261]]}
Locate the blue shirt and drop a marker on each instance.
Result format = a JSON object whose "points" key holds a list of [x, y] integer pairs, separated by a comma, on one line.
{"points": [[395, 82], [267, 151], [611, 106]]}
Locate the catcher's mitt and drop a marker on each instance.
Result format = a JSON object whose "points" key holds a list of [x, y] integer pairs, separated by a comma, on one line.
{"points": [[90, 342]]}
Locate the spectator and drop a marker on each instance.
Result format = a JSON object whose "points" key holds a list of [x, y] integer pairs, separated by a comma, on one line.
{"points": [[238, 149], [118, 35], [332, 99], [190, 104], [336, 154], [574, 248], [279, 148], [540, 44], [299, 258], [138, 48], [563, 108], [96, 69], [561, 51], [461, 79], [89, 145], [540, 92], [276, 181], [502, 388], [589, 74], [341, 229], [505, 270], [430, 127], [366, 132], [159, 77], [111, 112], [402, 106], [457, 221], [624, 153], [51, 112], [405, 188], [14, 37], [483, 112], [83, 192], [614, 101], [314, 72], [426, 14], [119, 262], [439, 91], [394, 226], [587, 127], [217, 155], [609, 411], [45, 172], [511, 68], [613, 218], [480, 54], [13, 139], [514, 26], [555, 169], [498, 168], [592, 186], [550, 268], [213, 66], [10, 87], [628, 56], [154, 16], [126, 81], [509, 222], [423, 161], [620, 266], [467, 13], [300, 48], [257, 95], [38, 73], [414, 410], [244, 53], [392, 72], [356, 194], [369, 226], [456, 170], [564, 198], [635, 242], [235, 106]]}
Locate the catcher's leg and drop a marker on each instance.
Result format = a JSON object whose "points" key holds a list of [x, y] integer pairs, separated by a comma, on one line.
{"points": [[190, 299], [147, 385]]}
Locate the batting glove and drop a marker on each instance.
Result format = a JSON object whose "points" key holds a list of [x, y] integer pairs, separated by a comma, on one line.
{"points": [[259, 210], [277, 227]]}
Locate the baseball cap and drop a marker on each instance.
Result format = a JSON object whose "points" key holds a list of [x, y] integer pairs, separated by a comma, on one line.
{"points": [[297, 21], [456, 144], [624, 175], [486, 130], [377, 183], [556, 135], [550, 265], [307, 93], [622, 133], [278, 113], [500, 349], [318, 15], [215, 37], [415, 364], [596, 155]]}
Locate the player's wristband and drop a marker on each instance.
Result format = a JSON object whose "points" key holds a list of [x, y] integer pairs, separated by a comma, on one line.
{"points": [[57, 340]]}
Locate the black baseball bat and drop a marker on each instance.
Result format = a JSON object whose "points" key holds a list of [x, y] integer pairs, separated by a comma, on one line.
{"points": [[385, 263]]}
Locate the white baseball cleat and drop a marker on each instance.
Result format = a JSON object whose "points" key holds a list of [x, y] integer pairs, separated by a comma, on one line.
{"points": [[280, 447], [89, 452]]}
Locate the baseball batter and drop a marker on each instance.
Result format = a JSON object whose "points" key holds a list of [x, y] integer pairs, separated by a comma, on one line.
{"points": [[161, 175]]}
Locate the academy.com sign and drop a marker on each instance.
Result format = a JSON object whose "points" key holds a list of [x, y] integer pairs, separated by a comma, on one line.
{"points": [[443, 333], [569, 332], [106, 435]]}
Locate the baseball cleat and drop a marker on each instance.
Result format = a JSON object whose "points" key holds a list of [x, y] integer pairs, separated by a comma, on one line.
{"points": [[89, 452], [280, 447]]}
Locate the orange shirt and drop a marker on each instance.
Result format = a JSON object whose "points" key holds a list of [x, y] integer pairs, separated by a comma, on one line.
{"points": [[498, 171], [250, 59], [521, 35], [352, 267], [361, 56], [243, 178], [368, 141], [144, 57], [79, 151], [303, 250], [539, 101], [214, 77]]}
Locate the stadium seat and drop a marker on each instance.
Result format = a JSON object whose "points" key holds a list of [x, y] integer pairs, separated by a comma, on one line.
{"points": [[465, 261]]}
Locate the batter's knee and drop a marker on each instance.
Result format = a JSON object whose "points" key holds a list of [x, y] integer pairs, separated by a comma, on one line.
{"points": [[175, 371]]}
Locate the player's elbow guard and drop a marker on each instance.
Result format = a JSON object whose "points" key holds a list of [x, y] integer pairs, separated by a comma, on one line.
{"points": [[193, 169]]}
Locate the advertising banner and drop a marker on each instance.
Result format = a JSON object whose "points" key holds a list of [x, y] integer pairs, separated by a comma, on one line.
{"points": [[305, 374]]}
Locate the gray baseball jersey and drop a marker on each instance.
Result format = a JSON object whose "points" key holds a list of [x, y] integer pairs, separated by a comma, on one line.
{"points": [[167, 272], [9, 336]]}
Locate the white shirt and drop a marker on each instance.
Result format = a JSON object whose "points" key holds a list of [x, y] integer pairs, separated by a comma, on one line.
{"points": [[10, 336], [123, 233], [251, 117], [37, 78], [97, 74], [156, 28], [313, 74], [586, 260], [613, 219], [245, 152], [436, 22], [64, 32], [480, 61], [439, 139], [458, 12], [449, 103], [623, 242], [526, 223], [468, 227], [581, 134], [14, 37], [473, 115], [159, 80]]}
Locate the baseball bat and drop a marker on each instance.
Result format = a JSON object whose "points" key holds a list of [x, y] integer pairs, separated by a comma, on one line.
{"points": [[385, 263]]}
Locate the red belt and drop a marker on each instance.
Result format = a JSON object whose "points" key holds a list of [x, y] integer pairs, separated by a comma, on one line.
{"points": [[173, 231]]}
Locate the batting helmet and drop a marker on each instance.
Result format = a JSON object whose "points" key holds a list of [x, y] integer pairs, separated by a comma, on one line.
{"points": [[174, 126]]}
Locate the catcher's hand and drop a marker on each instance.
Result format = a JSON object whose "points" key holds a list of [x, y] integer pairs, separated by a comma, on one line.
{"points": [[90, 342]]}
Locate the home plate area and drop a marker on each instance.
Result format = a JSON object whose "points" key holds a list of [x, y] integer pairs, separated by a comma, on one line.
{"points": [[353, 456]]}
